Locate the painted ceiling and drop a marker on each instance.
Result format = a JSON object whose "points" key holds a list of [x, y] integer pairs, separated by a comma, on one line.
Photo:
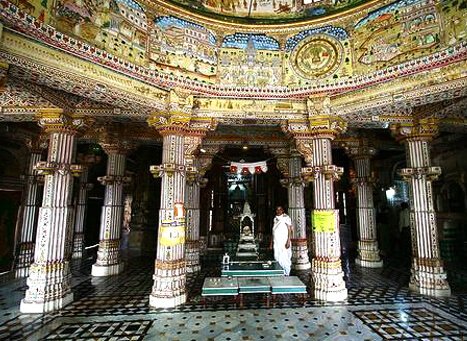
{"points": [[267, 11]]}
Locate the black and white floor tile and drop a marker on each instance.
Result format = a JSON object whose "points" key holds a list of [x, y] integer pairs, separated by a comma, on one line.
{"points": [[379, 307]]}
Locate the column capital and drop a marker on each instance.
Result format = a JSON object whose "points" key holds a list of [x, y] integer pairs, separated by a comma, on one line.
{"points": [[176, 117], [117, 147], [206, 156], [115, 139], [326, 126], [55, 120], [37, 144], [420, 130], [358, 148]]}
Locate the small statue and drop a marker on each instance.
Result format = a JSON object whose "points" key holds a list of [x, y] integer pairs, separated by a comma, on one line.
{"points": [[226, 259], [246, 230], [246, 208]]}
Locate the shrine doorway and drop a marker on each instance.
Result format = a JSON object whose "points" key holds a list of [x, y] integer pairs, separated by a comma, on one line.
{"points": [[223, 199]]}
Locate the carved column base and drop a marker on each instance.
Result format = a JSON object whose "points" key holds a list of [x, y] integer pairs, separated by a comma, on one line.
{"points": [[78, 245], [192, 256], [49, 288], [45, 307], [429, 278], [107, 270], [368, 254], [24, 260], [328, 280], [300, 260], [166, 302], [169, 284], [108, 259]]}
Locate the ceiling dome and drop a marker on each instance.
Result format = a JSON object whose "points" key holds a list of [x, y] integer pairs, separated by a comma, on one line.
{"points": [[266, 11]]}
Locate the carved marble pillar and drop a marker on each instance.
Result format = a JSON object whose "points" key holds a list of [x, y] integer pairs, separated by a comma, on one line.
{"points": [[295, 189], [49, 275], [192, 247], [32, 190], [80, 213], [108, 260], [169, 289], [170, 266], [192, 196], [314, 143], [428, 276], [368, 250]]}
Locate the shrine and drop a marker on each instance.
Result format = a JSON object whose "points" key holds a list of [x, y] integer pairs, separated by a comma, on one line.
{"points": [[146, 144]]}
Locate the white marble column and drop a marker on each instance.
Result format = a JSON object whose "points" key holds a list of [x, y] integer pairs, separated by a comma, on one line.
{"points": [[314, 143], [192, 224], [295, 186], [80, 214], [195, 168], [368, 250], [31, 204], [49, 276], [108, 260], [170, 267], [428, 276]]}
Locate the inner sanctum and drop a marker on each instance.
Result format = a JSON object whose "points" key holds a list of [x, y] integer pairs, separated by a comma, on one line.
{"points": [[233, 170]]}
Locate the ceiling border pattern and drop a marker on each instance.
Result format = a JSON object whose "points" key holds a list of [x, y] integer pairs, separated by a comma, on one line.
{"points": [[31, 27]]}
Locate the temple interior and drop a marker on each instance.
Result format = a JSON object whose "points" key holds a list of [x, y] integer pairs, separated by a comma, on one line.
{"points": [[146, 145]]}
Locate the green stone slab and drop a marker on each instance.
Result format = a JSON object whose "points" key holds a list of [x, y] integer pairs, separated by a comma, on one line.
{"points": [[287, 285], [253, 284], [253, 270], [219, 286]]}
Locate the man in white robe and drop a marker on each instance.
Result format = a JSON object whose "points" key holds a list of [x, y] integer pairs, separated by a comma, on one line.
{"points": [[282, 233]]}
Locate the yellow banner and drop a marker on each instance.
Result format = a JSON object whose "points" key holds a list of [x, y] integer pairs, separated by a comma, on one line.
{"points": [[323, 221], [172, 235]]}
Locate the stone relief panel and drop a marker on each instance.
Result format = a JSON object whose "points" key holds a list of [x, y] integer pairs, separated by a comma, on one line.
{"points": [[315, 54], [116, 26], [180, 46], [250, 60]]}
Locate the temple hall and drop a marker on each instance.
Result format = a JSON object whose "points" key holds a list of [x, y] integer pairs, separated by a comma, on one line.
{"points": [[233, 170]]}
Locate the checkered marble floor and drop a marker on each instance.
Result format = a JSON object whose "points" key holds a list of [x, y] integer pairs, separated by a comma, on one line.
{"points": [[379, 307]]}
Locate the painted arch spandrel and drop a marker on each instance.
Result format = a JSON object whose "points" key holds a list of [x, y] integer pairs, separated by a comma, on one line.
{"points": [[250, 60], [406, 30], [182, 47], [117, 26]]}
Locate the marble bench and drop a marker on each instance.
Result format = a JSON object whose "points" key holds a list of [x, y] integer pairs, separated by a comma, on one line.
{"points": [[271, 286], [219, 286], [287, 285]]}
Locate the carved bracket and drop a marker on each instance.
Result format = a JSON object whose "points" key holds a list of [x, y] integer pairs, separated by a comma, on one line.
{"points": [[49, 168], [166, 168], [330, 172], [111, 179], [431, 173]]}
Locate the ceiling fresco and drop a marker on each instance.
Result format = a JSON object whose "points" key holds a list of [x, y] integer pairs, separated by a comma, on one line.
{"points": [[267, 11]]}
